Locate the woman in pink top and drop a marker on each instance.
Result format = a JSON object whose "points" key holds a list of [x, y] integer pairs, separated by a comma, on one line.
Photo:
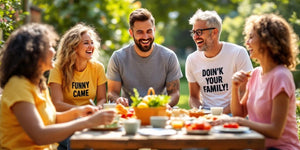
{"points": [[269, 100]]}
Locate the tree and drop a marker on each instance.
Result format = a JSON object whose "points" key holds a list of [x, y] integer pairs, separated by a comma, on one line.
{"points": [[11, 16]]}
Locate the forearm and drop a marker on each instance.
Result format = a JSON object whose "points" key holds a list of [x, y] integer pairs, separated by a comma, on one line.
{"points": [[112, 97], [62, 106], [235, 105], [174, 99], [101, 101], [59, 132], [227, 110], [66, 116], [194, 102], [268, 130]]}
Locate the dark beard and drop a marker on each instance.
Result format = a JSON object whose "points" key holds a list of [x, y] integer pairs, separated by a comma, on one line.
{"points": [[145, 48]]}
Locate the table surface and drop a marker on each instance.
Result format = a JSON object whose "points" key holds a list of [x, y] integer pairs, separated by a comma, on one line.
{"points": [[215, 140]]}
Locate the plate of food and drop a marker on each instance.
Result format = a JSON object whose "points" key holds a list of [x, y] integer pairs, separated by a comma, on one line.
{"points": [[231, 129], [197, 127], [115, 125]]}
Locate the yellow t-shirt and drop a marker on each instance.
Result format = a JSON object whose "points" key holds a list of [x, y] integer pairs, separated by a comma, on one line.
{"points": [[12, 135], [84, 84]]}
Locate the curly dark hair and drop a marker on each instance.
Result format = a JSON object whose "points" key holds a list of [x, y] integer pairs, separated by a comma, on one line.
{"points": [[23, 50], [276, 36]]}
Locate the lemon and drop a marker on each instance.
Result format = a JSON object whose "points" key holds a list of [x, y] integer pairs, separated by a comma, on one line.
{"points": [[146, 99], [142, 105]]}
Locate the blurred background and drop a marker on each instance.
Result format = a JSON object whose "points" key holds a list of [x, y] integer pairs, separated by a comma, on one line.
{"points": [[110, 18]]}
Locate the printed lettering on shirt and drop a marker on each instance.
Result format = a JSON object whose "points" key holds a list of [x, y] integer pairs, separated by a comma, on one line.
{"points": [[80, 89], [214, 80]]}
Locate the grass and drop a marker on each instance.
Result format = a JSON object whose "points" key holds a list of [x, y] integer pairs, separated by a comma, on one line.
{"points": [[184, 95]]}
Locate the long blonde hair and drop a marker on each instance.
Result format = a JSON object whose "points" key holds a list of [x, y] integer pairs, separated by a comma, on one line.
{"points": [[66, 53]]}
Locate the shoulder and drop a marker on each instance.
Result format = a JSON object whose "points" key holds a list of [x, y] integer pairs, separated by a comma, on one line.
{"points": [[193, 55], [165, 53], [281, 72], [164, 49], [124, 50], [18, 82], [94, 64]]}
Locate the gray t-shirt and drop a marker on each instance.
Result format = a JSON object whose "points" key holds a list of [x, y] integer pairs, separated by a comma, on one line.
{"points": [[133, 71]]}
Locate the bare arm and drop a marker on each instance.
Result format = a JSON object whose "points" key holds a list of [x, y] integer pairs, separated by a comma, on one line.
{"points": [[74, 113], [194, 99], [36, 130], [101, 95], [173, 89], [113, 94], [279, 114], [238, 104], [58, 98]]}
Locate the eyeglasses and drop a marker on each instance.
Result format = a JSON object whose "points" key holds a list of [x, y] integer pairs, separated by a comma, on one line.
{"points": [[199, 32]]}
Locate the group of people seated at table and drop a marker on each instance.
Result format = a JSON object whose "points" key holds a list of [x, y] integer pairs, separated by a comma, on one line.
{"points": [[218, 73]]}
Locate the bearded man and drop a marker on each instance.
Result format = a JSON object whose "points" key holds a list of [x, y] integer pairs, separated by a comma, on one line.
{"points": [[143, 64]]}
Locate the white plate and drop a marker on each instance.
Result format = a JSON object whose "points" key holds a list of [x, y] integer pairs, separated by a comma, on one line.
{"points": [[241, 129], [156, 131]]}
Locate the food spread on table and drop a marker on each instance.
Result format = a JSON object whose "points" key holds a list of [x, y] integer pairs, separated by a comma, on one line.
{"points": [[192, 121]]}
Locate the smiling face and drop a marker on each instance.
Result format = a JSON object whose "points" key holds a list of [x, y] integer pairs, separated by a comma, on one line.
{"points": [[143, 35], [86, 48], [253, 45], [47, 63], [204, 41]]}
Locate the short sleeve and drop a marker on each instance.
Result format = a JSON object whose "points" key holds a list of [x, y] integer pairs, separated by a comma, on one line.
{"points": [[113, 72], [243, 61], [282, 82], [101, 74], [174, 72], [55, 76], [24, 89], [188, 73]]}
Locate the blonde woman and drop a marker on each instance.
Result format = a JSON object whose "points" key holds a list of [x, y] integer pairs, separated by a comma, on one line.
{"points": [[77, 76], [28, 119]]}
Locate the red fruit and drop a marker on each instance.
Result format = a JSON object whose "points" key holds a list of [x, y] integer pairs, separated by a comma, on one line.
{"points": [[199, 126]]}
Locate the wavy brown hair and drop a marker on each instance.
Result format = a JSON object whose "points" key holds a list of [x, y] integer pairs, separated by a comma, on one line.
{"points": [[66, 53], [23, 50], [141, 14], [276, 36]]}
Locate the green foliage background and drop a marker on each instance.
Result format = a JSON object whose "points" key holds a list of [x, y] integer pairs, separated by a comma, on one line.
{"points": [[110, 18]]}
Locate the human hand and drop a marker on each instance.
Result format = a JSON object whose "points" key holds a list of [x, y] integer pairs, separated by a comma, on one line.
{"points": [[103, 117], [240, 77], [100, 107], [169, 107], [123, 101], [86, 110], [225, 120]]}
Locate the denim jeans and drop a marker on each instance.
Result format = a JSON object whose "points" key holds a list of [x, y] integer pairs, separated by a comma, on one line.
{"points": [[64, 145]]}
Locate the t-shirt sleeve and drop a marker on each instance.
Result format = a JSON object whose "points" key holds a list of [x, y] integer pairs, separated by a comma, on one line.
{"points": [[174, 72], [282, 82], [55, 76], [24, 89], [243, 61], [188, 73], [101, 74], [113, 72]]}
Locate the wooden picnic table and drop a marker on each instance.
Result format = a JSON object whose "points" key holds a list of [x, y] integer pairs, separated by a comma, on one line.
{"points": [[90, 139]]}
